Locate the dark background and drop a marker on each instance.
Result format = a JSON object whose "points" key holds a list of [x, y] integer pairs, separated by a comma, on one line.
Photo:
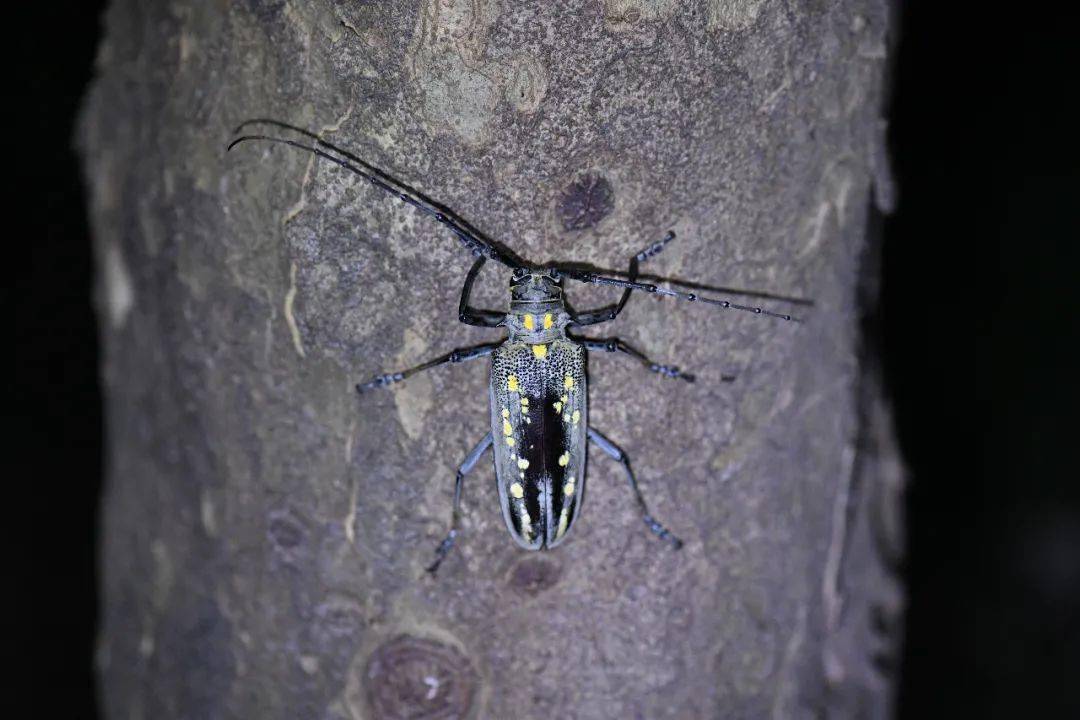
{"points": [[976, 329]]}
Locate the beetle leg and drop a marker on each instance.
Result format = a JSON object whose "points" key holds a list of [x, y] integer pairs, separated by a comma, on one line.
{"points": [[610, 312], [467, 465], [474, 316], [617, 454], [616, 345], [454, 356]]}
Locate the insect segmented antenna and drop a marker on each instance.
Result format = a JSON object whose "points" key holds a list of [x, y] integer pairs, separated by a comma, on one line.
{"points": [[592, 278], [387, 183]]}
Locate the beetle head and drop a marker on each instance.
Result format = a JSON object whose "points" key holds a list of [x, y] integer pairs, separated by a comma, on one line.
{"points": [[535, 285]]}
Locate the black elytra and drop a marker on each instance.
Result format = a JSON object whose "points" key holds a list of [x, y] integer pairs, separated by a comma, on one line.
{"points": [[538, 386]]}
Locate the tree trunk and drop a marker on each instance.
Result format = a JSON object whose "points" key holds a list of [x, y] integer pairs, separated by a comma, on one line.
{"points": [[266, 530]]}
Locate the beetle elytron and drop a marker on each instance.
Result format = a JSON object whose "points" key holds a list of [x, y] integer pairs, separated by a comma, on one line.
{"points": [[539, 409]]}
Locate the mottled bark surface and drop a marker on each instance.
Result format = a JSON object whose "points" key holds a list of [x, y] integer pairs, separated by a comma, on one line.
{"points": [[265, 530]]}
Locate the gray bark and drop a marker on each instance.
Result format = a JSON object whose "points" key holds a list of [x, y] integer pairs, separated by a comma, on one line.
{"points": [[265, 530]]}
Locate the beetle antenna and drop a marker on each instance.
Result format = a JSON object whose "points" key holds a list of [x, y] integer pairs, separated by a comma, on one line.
{"points": [[592, 278], [323, 142], [388, 184]]}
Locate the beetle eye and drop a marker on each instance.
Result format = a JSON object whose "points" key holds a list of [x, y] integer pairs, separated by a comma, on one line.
{"points": [[519, 272], [555, 274]]}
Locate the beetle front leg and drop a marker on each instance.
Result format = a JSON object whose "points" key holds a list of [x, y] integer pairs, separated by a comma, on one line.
{"points": [[448, 542], [616, 345], [454, 356], [618, 455], [474, 316], [610, 312]]}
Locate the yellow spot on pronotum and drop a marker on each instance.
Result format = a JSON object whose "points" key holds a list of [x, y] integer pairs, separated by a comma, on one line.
{"points": [[508, 429], [548, 321], [523, 463], [568, 382], [557, 406], [540, 351], [568, 488], [512, 383], [506, 413], [517, 491], [575, 417], [564, 459], [530, 322], [510, 442]]}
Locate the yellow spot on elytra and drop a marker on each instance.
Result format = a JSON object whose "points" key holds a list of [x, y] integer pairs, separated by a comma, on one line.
{"points": [[523, 463], [568, 382], [563, 517], [568, 488], [525, 401], [540, 351], [510, 442], [558, 406], [505, 413], [577, 416], [564, 459], [508, 429], [566, 417], [517, 491], [548, 321], [563, 398], [512, 383], [530, 322]]}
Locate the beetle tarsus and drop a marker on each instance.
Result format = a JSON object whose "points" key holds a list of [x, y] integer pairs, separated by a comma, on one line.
{"points": [[380, 381], [662, 532], [442, 551]]}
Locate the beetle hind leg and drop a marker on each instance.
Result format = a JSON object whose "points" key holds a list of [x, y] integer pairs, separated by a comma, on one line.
{"points": [[466, 466], [615, 453]]}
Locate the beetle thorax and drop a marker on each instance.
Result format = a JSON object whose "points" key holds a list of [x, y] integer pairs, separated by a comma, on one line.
{"points": [[537, 313]]}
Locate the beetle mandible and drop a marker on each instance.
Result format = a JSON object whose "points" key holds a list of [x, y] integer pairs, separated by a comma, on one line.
{"points": [[538, 387]]}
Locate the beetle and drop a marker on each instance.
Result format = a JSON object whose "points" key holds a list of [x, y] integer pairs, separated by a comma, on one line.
{"points": [[538, 389]]}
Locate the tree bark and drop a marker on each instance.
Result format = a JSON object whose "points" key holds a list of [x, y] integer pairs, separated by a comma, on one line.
{"points": [[265, 531]]}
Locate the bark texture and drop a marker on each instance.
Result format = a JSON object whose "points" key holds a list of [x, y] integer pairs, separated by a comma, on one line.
{"points": [[265, 530]]}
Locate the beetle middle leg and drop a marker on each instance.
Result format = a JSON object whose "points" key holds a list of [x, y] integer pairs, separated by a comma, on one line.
{"points": [[454, 356], [617, 454], [467, 465], [616, 345]]}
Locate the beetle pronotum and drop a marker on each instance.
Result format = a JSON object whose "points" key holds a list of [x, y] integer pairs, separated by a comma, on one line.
{"points": [[538, 388]]}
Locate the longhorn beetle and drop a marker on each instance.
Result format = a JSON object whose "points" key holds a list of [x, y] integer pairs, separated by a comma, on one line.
{"points": [[538, 387]]}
